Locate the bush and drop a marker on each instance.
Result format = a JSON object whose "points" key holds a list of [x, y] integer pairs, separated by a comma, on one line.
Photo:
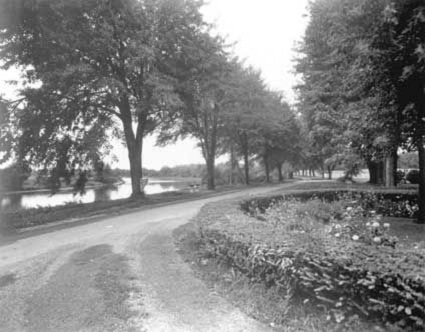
{"points": [[400, 176], [393, 204], [348, 278], [13, 177], [413, 176]]}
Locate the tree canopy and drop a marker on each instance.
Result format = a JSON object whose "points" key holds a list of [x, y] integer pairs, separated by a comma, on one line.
{"points": [[100, 65], [93, 70], [362, 95]]}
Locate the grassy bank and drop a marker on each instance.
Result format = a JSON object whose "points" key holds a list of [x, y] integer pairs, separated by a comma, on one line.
{"points": [[23, 218]]}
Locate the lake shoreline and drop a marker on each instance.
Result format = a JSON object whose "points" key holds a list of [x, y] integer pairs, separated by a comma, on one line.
{"points": [[13, 221], [97, 185], [27, 199]]}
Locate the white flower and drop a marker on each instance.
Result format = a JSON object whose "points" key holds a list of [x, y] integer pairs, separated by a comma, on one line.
{"points": [[337, 234], [355, 237], [387, 225], [349, 208], [375, 224], [368, 224], [377, 239]]}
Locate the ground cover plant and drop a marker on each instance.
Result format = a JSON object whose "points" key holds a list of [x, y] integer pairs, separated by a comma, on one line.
{"points": [[337, 256], [388, 203], [263, 303]]}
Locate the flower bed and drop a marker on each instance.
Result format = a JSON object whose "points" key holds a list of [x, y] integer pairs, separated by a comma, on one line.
{"points": [[350, 275], [394, 204]]}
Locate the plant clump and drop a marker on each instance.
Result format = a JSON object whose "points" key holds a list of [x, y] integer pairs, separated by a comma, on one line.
{"points": [[337, 256]]}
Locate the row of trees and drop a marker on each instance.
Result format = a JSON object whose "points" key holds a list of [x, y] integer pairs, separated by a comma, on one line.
{"points": [[94, 69], [363, 96]]}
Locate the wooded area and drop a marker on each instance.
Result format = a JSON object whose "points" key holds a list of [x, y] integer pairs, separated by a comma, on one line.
{"points": [[127, 68], [362, 96]]}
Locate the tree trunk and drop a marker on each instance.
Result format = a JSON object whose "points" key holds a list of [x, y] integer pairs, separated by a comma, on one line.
{"points": [[381, 172], [329, 172], [421, 194], [210, 172], [135, 158], [395, 165], [389, 171], [243, 140], [246, 166], [279, 170], [134, 146], [376, 172], [232, 165], [373, 172], [267, 168]]}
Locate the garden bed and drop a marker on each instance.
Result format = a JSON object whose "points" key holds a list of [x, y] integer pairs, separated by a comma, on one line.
{"points": [[348, 264], [386, 202]]}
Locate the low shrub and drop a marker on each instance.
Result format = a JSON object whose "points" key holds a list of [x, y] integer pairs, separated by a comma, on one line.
{"points": [[413, 176], [393, 204], [348, 277], [400, 176]]}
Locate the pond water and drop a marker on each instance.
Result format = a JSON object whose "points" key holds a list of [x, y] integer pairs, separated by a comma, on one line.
{"points": [[42, 199]]}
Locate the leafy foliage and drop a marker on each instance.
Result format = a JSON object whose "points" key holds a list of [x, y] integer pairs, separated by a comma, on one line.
{"points": [[348, 277], [12, 177], [362, 64], [97, 68], [392, 204], [413, 176]]}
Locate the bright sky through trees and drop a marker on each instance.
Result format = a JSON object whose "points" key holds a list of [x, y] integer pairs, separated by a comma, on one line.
{"points": [[265, 33]]}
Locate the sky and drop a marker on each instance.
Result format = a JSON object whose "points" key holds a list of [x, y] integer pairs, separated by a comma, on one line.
{"points": [[265, 33]]}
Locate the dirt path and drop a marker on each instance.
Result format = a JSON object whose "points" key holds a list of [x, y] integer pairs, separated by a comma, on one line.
{"points": [[117, 274]]}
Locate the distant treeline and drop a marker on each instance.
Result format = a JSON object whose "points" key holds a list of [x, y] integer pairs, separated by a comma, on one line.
{"points": [[184, 171], [223, 172]]}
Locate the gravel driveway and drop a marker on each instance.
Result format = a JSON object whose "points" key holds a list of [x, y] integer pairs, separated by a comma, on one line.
{"points": [[117, 274]]}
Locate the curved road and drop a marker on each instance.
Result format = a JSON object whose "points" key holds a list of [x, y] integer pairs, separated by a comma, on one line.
{"points": [[118, 274]]}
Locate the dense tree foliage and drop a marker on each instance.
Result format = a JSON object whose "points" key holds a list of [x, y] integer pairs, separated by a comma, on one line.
{"points": [[93, 70], [363, 64], [203, 84], [100, 64]]}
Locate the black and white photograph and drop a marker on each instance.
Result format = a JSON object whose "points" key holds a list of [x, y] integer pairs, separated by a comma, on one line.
{"points": [[212, 165]]}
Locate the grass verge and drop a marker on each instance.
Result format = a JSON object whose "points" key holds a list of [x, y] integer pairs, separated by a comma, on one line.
{"points": [[23, 218]]}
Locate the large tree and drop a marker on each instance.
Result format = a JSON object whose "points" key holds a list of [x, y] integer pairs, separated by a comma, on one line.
{"points": [[203, 81], [371, 54], [96, 65], [244, 113], [341, 105], [400, 63]]}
